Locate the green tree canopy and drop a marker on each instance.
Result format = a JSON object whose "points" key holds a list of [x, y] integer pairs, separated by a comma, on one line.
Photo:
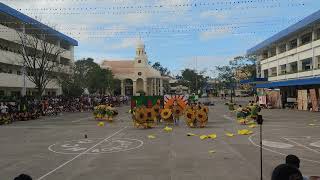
{"points": [[163, 70], [195, 81]]}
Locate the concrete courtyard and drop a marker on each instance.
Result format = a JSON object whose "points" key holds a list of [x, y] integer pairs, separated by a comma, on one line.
{"points": [[55, 148]]}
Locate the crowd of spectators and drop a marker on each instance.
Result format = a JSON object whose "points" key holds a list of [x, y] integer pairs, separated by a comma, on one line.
{"points": [[29, 108]]}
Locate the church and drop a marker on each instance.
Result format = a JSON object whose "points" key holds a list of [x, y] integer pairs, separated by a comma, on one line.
{"points": [[137, 76]]}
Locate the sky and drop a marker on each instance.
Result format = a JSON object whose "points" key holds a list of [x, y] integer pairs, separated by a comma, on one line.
{"points": [[197, 34]]}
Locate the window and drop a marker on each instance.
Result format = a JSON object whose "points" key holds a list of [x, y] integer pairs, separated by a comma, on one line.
{"points": [[139, 61], [293, 44], [317, 34], [273, 52], [18, 72], [317, 65], [9, 71], [273, 72], [305, 39], [282, 48], [264, 55], [293, 67], [283, 69], [306, 64], [139, 73], [265, 73], [1, 93]]}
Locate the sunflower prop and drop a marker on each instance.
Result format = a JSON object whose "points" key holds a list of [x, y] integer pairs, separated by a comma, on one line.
{"points": [[141, 116], [202, 118], [177, 111], [150, 118], [166, 114], [190, 117]]}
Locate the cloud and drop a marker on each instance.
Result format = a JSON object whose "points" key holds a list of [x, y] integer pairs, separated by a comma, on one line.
{"points": [[213, 34], [126, 43], [214, 14]]}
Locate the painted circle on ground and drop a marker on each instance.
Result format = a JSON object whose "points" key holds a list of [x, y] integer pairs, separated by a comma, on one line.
{"points": [[83, 145], [315, 144], [276, 144]]}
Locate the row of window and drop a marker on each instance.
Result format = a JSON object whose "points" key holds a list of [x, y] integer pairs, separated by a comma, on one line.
{"points": [[282, 47], [305, 65]]}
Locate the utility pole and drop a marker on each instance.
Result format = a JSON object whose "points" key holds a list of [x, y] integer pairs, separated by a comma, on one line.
{"points": [[196, 70]]}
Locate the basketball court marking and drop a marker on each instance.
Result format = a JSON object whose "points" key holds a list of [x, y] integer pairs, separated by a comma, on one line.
{"points": [[274, 144], [110, 146], [294, 142], [77, 156], [315, 144], [270, 150]]}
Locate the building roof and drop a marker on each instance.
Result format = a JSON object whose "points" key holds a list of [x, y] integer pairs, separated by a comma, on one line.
{"points": [[309, 20], [28, 20], [119, 67]]}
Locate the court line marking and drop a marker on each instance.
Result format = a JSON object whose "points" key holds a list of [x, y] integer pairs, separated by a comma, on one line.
{"points": [[84, 118], [65, 163], [122, 150], [250, 139], [313, 150]]}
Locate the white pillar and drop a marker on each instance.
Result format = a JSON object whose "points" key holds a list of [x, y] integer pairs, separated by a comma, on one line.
{"points": [[122, 88], [145, 86], [154, 86], [161, 87], [134, 88]]}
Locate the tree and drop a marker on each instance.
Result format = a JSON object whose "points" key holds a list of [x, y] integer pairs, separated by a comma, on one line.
{"points": [[100, 80], [226, 75], [245, 67], [163, 71], [195, 81], [82, 70], [40, 58]]}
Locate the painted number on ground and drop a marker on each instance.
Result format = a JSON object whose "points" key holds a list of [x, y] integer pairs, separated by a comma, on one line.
{"points": [[110, 146]]}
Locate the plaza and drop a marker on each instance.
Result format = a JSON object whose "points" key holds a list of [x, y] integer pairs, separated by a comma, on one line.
{"points": [[56, 147]]}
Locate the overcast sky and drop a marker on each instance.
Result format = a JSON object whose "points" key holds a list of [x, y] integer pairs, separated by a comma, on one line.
{"points": [[176, 32]]}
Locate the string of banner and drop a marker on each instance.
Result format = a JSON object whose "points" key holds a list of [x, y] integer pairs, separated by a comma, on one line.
{"points": [[131, 10]]}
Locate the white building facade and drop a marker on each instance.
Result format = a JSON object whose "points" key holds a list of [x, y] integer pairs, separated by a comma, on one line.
{"points": [[290, 60], [136, 76], [12, 79]]}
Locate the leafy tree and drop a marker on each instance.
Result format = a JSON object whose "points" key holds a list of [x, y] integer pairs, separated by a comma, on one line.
{"points": [[100, 80], [245, 67], [195, 81], [226, 75], [163, 71], [82, 70]]}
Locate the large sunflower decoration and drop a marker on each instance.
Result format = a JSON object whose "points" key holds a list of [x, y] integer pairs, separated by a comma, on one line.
{"points": [[156, 110], [166, 114], [177, 111], [140, 117], [150, 117], [190, 117], [202, 118]]}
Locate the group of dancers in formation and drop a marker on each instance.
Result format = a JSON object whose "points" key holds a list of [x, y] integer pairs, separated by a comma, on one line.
{"points": [[246, 114], [195, 115], [105, 112]]}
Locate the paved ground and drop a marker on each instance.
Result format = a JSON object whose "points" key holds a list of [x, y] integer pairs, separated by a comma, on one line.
{"points": [[55, 149]]}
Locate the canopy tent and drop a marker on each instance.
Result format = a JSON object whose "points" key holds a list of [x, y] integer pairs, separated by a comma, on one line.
{"points": [[295, 82]]}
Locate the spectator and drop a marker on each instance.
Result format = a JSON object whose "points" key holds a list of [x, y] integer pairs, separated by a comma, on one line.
{"points": [[286, 172], [23, 177], [295, 162]]}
